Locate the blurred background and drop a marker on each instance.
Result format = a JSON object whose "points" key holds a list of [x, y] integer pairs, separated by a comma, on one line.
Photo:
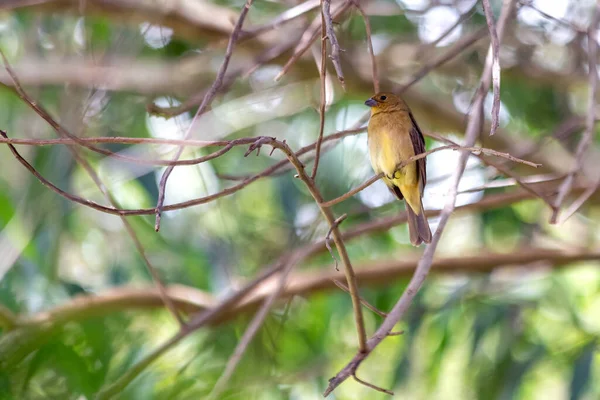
{"points": [[510, 310]]}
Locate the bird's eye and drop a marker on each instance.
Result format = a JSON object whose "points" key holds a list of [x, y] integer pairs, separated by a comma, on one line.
{"points": [[383, 98]]}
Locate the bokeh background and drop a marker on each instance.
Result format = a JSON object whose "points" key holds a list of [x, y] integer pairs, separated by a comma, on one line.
{"points": [[510, 310]]}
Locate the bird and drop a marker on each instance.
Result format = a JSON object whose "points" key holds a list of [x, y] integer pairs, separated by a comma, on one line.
{"points": [[393, 137]]}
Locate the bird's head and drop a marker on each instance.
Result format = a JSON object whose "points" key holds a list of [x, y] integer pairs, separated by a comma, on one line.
{"points": [[386, 101]]}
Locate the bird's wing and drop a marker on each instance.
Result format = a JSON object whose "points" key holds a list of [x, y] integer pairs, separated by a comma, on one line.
{"points": [[418, 142]]}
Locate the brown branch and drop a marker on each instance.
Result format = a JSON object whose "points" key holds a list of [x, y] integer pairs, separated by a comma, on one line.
{"points": [[177, 206], [580, 201], [337, 237], [463, 17], [323, 94], [306, 283], [500, 169], [365, 17], [284, 17], [309, 36], [424, 265], [210, 94], [370, 385], [254, 326], [362, 300], [95, 178], [457, 48], [202, 318], [456, 147], [590, 121], [336, 223], [528, 3], [489, 17], [327, 20]]}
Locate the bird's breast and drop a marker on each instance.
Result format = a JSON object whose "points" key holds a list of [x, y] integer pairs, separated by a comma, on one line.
{"points": [[389, 146]]}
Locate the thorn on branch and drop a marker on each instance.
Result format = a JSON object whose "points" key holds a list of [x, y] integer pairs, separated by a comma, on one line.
{"points": [[262, 140], [363, 301], [370, 385], [336, 223], [398, 333]]}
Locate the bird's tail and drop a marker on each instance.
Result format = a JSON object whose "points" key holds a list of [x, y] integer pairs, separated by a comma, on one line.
{"points": [[418, 227]]}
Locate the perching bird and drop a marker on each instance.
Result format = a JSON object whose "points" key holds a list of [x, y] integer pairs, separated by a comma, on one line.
{"points": [[394, 136]]}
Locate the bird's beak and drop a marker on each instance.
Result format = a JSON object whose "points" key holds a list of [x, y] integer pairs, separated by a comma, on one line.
{"points": [[370, 103]]}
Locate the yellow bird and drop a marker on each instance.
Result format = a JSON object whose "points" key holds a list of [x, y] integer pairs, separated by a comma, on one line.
{"points": [[394, 136]]}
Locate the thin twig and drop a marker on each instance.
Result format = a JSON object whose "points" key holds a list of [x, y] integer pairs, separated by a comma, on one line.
{"points": [[253, 328], [489, 17], [374, 72], [95, 178], [456, 49], [564, 23], [463, 17], [399, 333], [362, 300], [590, 121], [381, 272], [200, 319], [309, 36], [424, 266], [580, 201], [337, 238], [501, 169], [336, 223], [473, 150], [208, 97], [323, 96], [286, 16], [335, 46], [370, 385]]}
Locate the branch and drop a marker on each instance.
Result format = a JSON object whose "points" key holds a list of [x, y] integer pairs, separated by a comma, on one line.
{"points": [[327, 20], [310, 282], [284, 17], [253, 328], [210, 94], [200, 319], [489, 17], [365, 17], [426, 260], [337, 237], [188, 17], [323, 89], [590, 121], [308, 37], [456, 147], [95, 178]]}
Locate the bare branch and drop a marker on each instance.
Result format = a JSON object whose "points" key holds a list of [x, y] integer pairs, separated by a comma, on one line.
{"points": [[253, 328], [474, 150], [309, 36], [357, 5], [372, 273], [284, 17], [208, 97], [590, 121], [362, 300], [370, 385], [337, 238], [489, 17], [323, 88], [426, 260], [336, 223], [580, 201], [335, 46], [92, 173]]}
